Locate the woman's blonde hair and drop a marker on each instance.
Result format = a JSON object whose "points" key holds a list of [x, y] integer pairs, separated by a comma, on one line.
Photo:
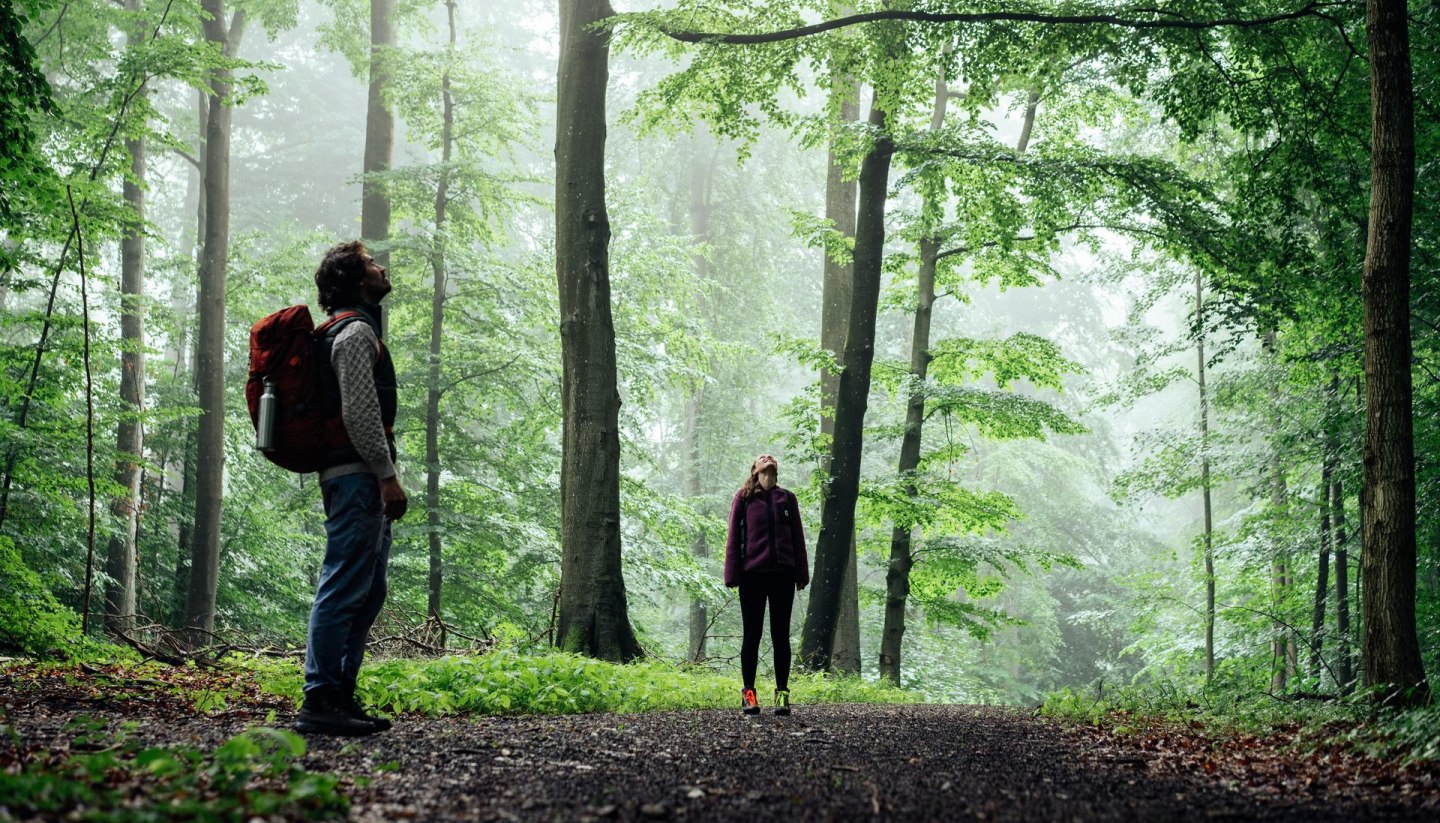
{"points": [[752, 483]]}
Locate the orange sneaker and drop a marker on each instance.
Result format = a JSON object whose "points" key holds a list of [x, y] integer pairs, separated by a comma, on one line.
{"points": [[748, 702]]}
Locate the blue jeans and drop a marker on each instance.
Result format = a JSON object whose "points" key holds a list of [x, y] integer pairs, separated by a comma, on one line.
{"points": [[352, 580]]}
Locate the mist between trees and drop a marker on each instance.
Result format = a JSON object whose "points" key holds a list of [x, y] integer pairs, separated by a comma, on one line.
{"points": [[1065, 325]]}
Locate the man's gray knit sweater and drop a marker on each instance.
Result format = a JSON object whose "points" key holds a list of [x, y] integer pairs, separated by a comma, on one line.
{"points": [[353, 358]]}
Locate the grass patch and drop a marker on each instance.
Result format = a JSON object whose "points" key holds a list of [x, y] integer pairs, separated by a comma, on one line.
{"points": [[1353, 721], [510, 682]]}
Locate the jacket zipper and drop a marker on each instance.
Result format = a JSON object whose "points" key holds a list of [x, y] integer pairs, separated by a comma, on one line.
{"points": [[770, 508]]}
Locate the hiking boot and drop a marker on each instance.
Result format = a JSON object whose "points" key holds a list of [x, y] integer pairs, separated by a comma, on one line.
{"points": [[748, 701], [347, 697], [325, 711], [782, 701]]}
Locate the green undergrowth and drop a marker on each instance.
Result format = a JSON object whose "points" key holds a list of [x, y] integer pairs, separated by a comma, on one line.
{"points": [[1353, 721], [109, 776], [512, 682]]}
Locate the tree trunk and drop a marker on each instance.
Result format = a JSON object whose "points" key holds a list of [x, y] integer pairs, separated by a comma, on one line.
{"points": [[1344, 666], [834, 317], [437, 323], [1322, 572], [210, 339], [1279, 640], [852, 395], [185, 350], [120, 556], [1209, 522], [379, 135], [1391, 648], [702, 179], [592, 612], [897, 575]]}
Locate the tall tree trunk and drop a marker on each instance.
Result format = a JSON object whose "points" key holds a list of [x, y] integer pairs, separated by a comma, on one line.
{"points": [[1322, 572], [379, 134], [210, 339], [1279, 641], [1391, 648], [837, 520], [702, 180], [834, 317], [185, 354], [897, 574], [1344, 664], [592, 613], [120, 556], [437, 323], [1209, 522]]}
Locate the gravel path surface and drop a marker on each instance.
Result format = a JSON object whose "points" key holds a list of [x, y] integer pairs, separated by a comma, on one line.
{"points": [[855, 762]]}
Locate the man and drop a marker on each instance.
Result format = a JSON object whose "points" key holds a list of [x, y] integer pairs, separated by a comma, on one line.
{"points": [[361, 492]]}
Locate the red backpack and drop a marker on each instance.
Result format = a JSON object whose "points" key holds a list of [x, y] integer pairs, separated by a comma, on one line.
{"points": [[285, 350]]}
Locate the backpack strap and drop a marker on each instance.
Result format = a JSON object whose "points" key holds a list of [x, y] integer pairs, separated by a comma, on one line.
{"points": [[330, 329]]}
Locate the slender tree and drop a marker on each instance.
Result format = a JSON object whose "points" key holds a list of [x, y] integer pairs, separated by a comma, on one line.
{"points": [[1322, 570], [1391, 646], [835, 294], [837, 521], [225, 33], [702, 185], [1208, 535], [592, 612], [1344, 664], [120, 559], [897, 574], [437, 322], [379, 133]]}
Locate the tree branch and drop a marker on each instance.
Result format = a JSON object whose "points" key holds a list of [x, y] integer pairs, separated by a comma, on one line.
{"points": [[1162, 20]]}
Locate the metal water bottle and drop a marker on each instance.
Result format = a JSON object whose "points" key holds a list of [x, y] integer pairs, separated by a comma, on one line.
{"points": [[265, 426]]}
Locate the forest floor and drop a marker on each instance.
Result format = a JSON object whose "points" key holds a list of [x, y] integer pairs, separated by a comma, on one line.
{"points": [[838, 762]]}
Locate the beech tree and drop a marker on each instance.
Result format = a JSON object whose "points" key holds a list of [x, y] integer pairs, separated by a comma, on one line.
{"points": [[1391, 648], [592, 615], [224, 31]]}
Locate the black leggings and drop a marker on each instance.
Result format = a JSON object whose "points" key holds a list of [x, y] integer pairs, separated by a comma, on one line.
{"points": [[755, 589]]}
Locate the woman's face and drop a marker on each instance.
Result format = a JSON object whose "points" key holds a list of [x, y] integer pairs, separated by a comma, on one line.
{"points": [[766, 469]]}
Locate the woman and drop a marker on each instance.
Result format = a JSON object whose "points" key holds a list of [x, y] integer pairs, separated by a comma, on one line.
{"points": [[765, 558]]}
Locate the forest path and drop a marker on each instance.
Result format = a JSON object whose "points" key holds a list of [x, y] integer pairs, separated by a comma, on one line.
{"points": [[847, 762]]}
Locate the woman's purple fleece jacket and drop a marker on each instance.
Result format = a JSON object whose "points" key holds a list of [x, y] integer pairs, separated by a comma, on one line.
{"points": [[774, 536]]}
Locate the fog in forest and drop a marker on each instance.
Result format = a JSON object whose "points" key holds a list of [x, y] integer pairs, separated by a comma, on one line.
{"points": [[1057, 517]]}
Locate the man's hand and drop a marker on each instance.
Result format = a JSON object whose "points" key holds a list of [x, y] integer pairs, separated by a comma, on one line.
{"points": [[799, 587], [394, 497]]}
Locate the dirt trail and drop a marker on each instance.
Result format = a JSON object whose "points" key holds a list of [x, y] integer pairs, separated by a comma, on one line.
{"points": [[909, 763]]}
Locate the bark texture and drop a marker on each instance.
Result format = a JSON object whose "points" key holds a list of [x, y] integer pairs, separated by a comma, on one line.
{"points": [[836, 289], [1391, 648], [837, 522], [592, 616], [120, 557], [210, 339], [897, 573]]}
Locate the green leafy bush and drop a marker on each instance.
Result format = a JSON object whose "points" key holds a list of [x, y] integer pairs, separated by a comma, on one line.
{"points": [[255, 773], [32, 621], [510, 682]]}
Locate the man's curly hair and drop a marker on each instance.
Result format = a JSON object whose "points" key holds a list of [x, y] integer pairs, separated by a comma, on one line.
{"points": [[339, 275]]}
